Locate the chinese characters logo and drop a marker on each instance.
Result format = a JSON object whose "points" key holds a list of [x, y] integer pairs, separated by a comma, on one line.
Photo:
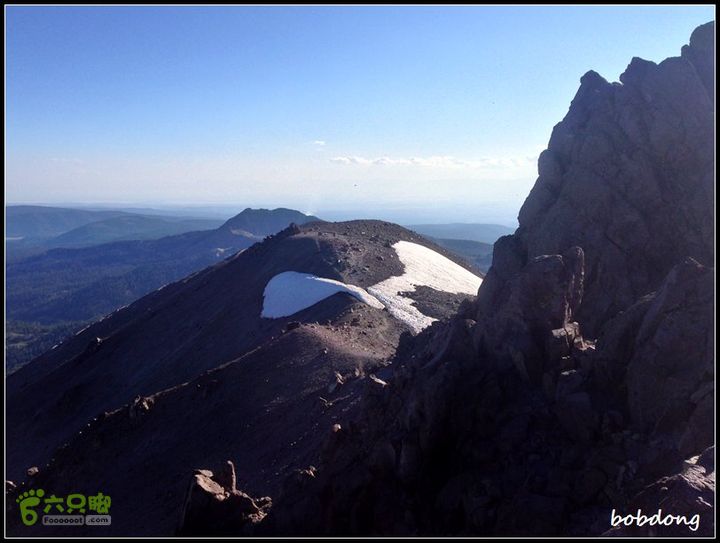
{"points": [[64, 510]]}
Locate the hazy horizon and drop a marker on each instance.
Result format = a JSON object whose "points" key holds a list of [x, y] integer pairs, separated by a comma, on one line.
{"points": [[468, 215], [410, 114]]}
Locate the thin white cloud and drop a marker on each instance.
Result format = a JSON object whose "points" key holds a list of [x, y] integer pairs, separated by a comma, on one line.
{"points": [[350, 160], [319, 143], [436, 161], [66, 160]]}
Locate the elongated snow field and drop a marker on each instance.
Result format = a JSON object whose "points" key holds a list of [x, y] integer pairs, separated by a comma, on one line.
{"points": [[423, 267], [290, 292]]}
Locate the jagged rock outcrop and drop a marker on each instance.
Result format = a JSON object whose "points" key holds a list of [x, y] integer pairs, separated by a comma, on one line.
{"points": [[214, 506], [628, 177], [531, 320], [506, 420]]}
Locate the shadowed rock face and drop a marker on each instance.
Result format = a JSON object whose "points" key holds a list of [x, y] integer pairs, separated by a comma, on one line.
{"points": [[688, 493], [506, 420], [672, 359], [627, 176], [517, 327]]}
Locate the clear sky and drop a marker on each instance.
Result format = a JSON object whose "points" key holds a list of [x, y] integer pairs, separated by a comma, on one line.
{"points": [[405, 113]]}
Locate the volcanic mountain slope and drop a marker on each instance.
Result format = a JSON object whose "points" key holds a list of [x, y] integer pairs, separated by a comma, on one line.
{"points": [[86, 283], [508, 420], [204, 378], [64, 288]]}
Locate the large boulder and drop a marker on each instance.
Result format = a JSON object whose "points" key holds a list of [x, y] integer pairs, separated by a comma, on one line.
{"points": [[215, 507]]}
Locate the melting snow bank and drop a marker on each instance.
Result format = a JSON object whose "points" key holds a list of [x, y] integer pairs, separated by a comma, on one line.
{"points": [[423, 267], [290, 292]]}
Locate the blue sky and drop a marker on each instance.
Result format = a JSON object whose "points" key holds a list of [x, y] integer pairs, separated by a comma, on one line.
{"points": [[395, 112]]}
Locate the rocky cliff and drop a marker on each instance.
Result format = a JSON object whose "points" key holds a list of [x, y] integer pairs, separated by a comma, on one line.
{"points": [[627, 176]]}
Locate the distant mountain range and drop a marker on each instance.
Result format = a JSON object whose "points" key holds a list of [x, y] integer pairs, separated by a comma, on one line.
{"points": [[61, 288], [477, 253], [485, 233], [471, 241], [129, 227], [42, 222], [34, 229], [68, 267]]}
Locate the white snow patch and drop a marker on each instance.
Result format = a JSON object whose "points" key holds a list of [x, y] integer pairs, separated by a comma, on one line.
{"points": [[423, 267], [290, 292]]}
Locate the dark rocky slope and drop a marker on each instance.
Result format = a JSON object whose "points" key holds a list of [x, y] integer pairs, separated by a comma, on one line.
{"points": [[585, 370], [191, 376], [268, 411]]}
